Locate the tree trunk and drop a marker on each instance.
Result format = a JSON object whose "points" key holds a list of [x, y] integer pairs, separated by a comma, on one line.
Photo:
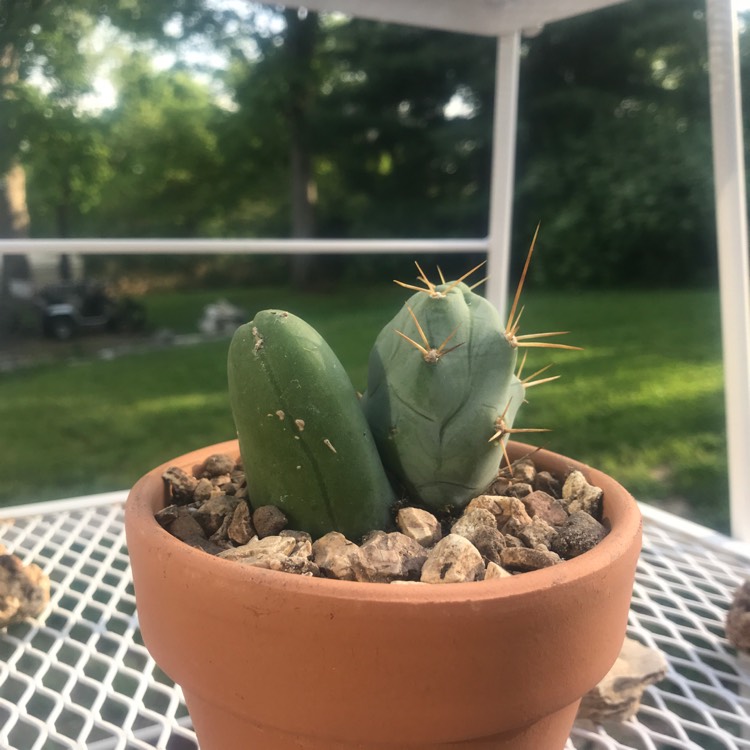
{"points": [[14, 224], [300, 41], [14, 215]]}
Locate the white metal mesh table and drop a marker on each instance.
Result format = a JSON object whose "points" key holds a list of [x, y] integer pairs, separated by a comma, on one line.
{"points": [[80, 677]]}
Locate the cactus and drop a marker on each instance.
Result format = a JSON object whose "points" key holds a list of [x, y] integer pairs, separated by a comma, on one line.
{"points": [[304, 440], [442, 390], [433, 408]]}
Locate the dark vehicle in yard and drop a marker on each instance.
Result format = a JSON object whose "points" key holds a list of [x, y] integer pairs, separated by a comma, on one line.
{"points": [[69, 308]]}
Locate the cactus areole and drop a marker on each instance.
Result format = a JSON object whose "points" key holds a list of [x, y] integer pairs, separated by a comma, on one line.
{"points": [[304, 440], [440, 381]]}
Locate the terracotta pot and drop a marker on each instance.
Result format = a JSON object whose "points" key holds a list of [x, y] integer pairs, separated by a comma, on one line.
{"points": [[274, 661]]}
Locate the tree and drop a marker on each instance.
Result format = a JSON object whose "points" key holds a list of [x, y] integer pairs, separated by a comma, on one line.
{"points": [[336, 128], [41, 35], [276, 86], [614, 147], [352, 115], [67, 157], [394, 162], [162, 145]]}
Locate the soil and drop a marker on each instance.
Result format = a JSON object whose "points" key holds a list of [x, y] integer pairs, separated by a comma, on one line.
{"points": [[526, 520]]}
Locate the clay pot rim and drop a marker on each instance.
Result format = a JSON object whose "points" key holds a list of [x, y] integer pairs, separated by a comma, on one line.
{"points": [[142, 503]]}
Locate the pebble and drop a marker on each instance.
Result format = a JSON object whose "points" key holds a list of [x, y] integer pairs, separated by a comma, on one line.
{"points": [[518, 518], [268, 520], [285, 564], [24, 589], [278, 561], [210, 515], [523, 559], [738, 618], [537, 533], [270, 546], [220, 537], [304, 567], [546, 482], [335, 555], [578, 494], [454, 559], [206, 545], [165, 516], [181, 484], [479, 526], [203, 490], [490, 542], [580, 533], [519, 489], [473, 520], [241, 529], [495, 571], [492, 503], [221, 481], [184, 526], [385, 557], [542, 505], [217, 465], [238, 480], [302, 543], [504, 508], [524, 470], [618, 696], [419, 525], [407, 583], [500, 486]]}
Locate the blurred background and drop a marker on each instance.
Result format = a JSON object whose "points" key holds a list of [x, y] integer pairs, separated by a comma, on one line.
{"points": [[225, 119]]}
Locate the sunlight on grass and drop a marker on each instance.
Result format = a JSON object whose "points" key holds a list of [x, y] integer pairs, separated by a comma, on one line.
{"points": [[656, 385], [178, 404]]}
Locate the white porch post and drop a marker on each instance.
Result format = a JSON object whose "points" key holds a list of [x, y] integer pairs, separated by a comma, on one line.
{"points": [[503, 163], [731, 220]]}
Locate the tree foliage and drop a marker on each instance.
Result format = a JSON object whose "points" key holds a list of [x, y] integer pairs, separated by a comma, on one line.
{"points": [[344, 128], [392, 162], [163, 156], [614, 147]]}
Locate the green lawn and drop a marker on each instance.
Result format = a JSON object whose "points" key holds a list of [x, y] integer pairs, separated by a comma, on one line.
{"points": [[644, 401]]}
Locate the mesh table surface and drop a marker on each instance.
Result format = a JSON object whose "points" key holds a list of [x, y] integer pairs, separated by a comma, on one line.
{"points": [[80, 677]]}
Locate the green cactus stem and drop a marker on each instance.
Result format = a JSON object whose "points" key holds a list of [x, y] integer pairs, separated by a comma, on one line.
{"points": [[441, 414], [433, 408], [305, 443]]}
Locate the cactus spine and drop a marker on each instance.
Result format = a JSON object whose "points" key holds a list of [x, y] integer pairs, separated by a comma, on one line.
{"points": [[304, 440]]}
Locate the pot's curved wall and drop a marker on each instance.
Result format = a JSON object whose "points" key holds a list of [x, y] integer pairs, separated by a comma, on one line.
{"points": [[355, 662]]}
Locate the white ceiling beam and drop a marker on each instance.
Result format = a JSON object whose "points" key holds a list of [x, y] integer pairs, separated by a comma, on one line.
{"points": [[485, 17]]}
